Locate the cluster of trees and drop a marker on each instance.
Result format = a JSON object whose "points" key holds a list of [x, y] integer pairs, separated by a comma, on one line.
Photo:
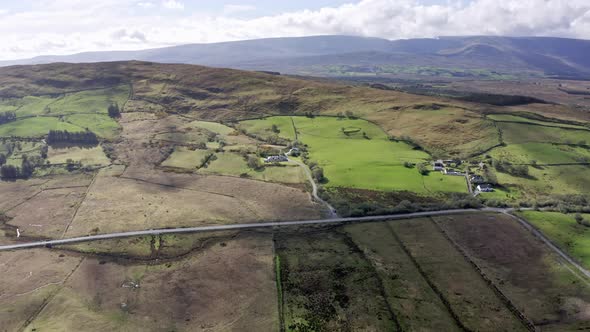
{"points": [[317, 172], [64, 136], [515, 170], [254, 162], [208, 159], [580, 220], [6, 117], [422, 168], [24, 171], [114, 111]]}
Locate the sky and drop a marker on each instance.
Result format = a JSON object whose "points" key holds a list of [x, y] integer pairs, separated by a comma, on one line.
{"points": [[51, 27]]}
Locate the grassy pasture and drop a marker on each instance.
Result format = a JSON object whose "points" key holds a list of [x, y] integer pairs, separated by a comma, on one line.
{"points": [[102, 125], [233, 164], [90, 101], [358, 154], [79, 110], [549, 180], [36, 127], [215, 127], [542, 153], [185, 158], [262, 127], [520, 119], [519, 133], [86, 155], [563, 230]]}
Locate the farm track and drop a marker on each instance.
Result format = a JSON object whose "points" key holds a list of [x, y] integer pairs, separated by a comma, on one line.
{"points": [[314, 189]]}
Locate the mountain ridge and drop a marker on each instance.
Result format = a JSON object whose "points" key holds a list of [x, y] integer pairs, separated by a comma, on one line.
{"points": [[546, 56]]}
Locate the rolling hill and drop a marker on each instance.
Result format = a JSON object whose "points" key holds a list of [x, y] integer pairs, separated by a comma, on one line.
{"points": [[338, 55]]}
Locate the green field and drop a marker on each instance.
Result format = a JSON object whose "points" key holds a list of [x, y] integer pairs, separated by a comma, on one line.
{"points": [[35, 127], [542, 153], [73, 112], [263, 127], [548, 180], [519, 133], [185, 158], [358, 154], [102, 125], [233, 164], [90, 101], [520, 119], [215, 127], [564, 231]]}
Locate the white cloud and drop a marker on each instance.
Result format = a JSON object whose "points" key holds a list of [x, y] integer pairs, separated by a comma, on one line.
{"points": [[172, 4], [69, 26], [146, 4], [232, 9]]}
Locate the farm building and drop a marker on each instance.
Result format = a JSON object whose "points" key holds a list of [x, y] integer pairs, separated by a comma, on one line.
{"points": [[485, 188], [477, 179], [275, 159], [452, 172], [438, 166]]}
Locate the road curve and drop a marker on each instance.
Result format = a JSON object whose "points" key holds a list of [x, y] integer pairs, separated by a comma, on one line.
{"points": [[241, 226]]}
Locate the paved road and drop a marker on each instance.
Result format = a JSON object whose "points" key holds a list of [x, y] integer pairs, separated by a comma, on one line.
{"points": [[528, 226], [314, 188], [240, 226]]}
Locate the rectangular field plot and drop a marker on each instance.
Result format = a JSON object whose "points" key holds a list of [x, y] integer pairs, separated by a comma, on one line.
{"points": [[328, 285], [520, 133], [472, 300], [533, 278], [415, 304]]}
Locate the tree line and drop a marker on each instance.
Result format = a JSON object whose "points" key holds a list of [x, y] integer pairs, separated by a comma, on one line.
{"points": [[64, 136]]}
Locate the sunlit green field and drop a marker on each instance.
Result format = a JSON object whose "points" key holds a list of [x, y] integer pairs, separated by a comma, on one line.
{"points": [[35, 127], [73, 112], [541, 153], [519, 133], [356, 153], [563, 230]]}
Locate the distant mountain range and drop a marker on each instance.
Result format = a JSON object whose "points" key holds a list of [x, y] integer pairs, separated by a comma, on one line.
{"points": [[348, 55]]}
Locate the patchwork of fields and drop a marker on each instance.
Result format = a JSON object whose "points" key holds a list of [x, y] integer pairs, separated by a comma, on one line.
{"points": [[481, 272], [358, 154], [73, 112]]}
